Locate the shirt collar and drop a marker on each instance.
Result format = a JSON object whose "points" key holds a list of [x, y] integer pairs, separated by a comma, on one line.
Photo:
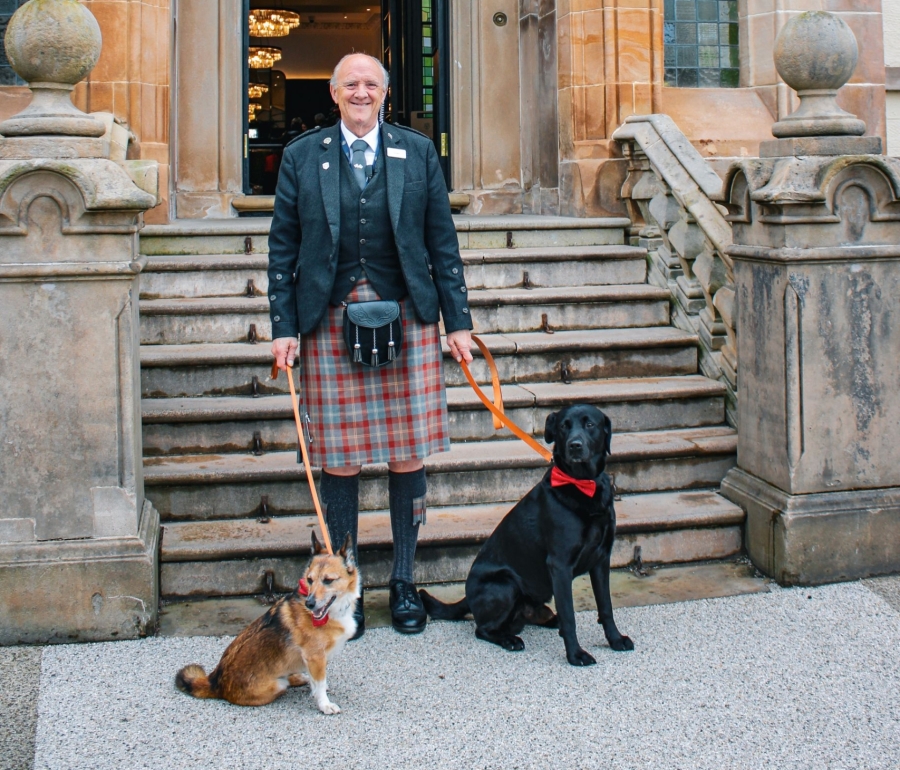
{"points": [[371, 138]]}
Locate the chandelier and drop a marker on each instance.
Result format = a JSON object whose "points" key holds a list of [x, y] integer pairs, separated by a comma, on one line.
{"points": [[263, 57], [252, 109], [256, 90], [272, 23]]}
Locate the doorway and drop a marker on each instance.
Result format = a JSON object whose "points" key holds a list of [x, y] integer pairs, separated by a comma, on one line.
{"points": [[291, 48]]}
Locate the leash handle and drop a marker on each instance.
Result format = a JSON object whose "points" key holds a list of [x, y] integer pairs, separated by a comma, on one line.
{"points": [[306, 466], [496, 407]]}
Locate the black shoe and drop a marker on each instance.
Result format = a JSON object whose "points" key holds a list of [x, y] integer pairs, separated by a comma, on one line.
{"points": [[360, 618], [408, 615]]}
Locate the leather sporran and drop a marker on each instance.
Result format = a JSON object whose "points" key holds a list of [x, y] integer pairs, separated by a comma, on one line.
{"points": [[373, 331]]}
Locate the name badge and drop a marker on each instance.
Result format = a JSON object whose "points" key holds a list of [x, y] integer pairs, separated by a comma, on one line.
{"points": [[396, 152]]}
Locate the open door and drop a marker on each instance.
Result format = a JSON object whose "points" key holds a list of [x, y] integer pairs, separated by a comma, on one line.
{"points": [[416, 36]]}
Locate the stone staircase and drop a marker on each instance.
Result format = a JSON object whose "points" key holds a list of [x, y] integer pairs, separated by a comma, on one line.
{"points": [[220, 456]]}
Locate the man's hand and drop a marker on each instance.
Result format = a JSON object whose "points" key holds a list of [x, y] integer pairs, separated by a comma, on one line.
{"points": [[285, 351], [460, 343]]}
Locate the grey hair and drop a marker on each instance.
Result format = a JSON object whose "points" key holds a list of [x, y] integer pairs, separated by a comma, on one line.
{"points": [[334, 75]]}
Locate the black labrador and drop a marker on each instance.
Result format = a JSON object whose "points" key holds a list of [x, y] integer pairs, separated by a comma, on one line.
{"points": [[564, 527]]}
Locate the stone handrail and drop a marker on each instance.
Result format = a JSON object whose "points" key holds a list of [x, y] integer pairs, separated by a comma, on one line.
{"points": [[668, 193]]}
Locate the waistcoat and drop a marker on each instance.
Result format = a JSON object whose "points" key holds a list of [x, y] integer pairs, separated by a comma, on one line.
{"points": [[367, 247]]}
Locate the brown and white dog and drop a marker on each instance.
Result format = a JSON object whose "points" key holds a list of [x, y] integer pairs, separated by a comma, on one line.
{"points": [[291, 643]]}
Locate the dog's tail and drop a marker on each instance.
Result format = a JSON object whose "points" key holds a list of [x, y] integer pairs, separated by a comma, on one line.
{"points": [[438, 610], [193, 680]]}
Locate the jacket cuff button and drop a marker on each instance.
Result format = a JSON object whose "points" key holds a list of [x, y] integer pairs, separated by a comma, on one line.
{"points": [[465, 310], [277, 318]]}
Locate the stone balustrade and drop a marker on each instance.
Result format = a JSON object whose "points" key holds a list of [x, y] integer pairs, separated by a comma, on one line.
{"points": [[668, 190]]}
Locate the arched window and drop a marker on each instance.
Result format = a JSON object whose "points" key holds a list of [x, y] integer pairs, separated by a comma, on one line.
{"points": [[701, 43]]}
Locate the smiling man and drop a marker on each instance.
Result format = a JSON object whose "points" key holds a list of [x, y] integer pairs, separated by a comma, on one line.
{"points": [[362, 214]]}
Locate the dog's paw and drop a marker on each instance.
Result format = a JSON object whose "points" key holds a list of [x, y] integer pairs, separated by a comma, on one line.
{"points": [[513, 644], [622, 644], [581, 658], [329, 708]]}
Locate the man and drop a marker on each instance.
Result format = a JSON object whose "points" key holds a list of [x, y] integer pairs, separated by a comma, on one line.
{"points": [[362, 213]]}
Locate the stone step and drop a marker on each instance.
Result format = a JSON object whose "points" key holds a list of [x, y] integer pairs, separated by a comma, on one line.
{"points": [[229, 368], [228, 236], [227, 319], [227, 275], [227, 557], [202, 487], [217, 425]]}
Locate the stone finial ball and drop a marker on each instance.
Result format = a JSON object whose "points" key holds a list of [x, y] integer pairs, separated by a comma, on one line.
{"points": [[815, 50], [53, 41]]}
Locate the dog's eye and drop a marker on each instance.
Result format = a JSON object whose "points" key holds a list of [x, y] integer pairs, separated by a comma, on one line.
{"points": [[328, 581], [589, 424], [309, 581]]}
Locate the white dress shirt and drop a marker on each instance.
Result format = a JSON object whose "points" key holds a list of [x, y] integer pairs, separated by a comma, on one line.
{"points": [[370, 139]]}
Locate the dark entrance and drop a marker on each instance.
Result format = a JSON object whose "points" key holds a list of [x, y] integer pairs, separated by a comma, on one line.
{"points": [[410, 36]]}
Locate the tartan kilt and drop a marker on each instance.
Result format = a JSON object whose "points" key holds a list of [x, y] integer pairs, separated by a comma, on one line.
{"points": [[359, 415]]}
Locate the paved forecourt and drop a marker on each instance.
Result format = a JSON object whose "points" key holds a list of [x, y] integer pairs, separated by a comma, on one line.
{"points": [[799, 678]]}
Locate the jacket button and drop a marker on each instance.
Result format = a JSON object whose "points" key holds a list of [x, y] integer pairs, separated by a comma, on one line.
{"points": [[278, 277], [362, 240], [465, 310], [362, 261], [278, 317], [462, 289], [455, 270], [353, 278], [272, 298], [362, 200], [362, 221]]}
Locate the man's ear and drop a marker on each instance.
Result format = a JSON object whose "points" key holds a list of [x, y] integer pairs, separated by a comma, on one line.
{"points": [[550, 427], [346, 553], [607, 426], [316, 545]]}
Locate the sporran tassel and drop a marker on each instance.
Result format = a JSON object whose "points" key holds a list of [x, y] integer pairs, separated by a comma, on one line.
{"points": [[391, 353], [357, 348], [374, 348]]}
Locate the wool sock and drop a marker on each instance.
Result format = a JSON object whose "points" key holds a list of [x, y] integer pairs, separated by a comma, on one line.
{"points": [[407, 498], [340, 495]]}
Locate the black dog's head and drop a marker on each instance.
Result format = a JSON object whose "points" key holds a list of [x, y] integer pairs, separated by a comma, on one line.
{"points": [[581, 435]]}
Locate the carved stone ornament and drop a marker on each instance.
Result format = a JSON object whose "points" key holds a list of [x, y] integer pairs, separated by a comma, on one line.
{"points": [[816, 54], [52, 44]]}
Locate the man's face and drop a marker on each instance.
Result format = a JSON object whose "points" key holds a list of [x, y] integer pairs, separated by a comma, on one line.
{"points": [[359, 93]]}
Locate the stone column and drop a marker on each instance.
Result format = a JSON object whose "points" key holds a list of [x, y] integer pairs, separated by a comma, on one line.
{"points": [[78, 541], [817, 278]]}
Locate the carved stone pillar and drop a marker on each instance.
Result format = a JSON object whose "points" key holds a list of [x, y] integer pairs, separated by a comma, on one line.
{"points": [[817, 276], [78, 541]]}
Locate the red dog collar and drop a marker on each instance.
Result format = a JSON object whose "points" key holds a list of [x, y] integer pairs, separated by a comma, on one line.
{"points": [[560, 478], [303, 590]]}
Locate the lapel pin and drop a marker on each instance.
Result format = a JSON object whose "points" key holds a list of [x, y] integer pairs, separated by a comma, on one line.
{"points": [[326, 140], [325, 165]]}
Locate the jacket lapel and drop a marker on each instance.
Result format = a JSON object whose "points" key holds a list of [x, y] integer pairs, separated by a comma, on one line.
{"points": [[329, 179], [395, 167]]}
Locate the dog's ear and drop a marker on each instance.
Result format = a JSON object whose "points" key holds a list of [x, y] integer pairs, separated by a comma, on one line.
{"points": [[346, 553], [550, 427], [607, 426], [316, 545]]}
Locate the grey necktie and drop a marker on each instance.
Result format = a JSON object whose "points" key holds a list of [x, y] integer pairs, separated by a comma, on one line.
{"points": [[358, 162]]}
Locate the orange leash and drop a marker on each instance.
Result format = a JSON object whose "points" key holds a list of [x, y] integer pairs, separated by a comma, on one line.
{"points": [[496, 407], [306, 465]]}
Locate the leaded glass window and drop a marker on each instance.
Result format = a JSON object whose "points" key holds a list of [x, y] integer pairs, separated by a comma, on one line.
{"points": [[701, 43], [427, 58], [7, 76]]}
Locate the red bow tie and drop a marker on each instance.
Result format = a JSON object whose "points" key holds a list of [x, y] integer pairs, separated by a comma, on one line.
{"points": [[559, 478], [303, 590]]}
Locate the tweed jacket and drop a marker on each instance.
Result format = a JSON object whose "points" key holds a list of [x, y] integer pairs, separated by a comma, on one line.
{"points": [[305, 234]]}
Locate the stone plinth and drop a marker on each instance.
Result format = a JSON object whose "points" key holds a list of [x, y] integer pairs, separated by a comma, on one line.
{"points": [[78, 541], [817, 275]]}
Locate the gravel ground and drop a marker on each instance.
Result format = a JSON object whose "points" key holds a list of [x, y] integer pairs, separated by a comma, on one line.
{"points": [[800, 678], [20, 674], [886, 587]]}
